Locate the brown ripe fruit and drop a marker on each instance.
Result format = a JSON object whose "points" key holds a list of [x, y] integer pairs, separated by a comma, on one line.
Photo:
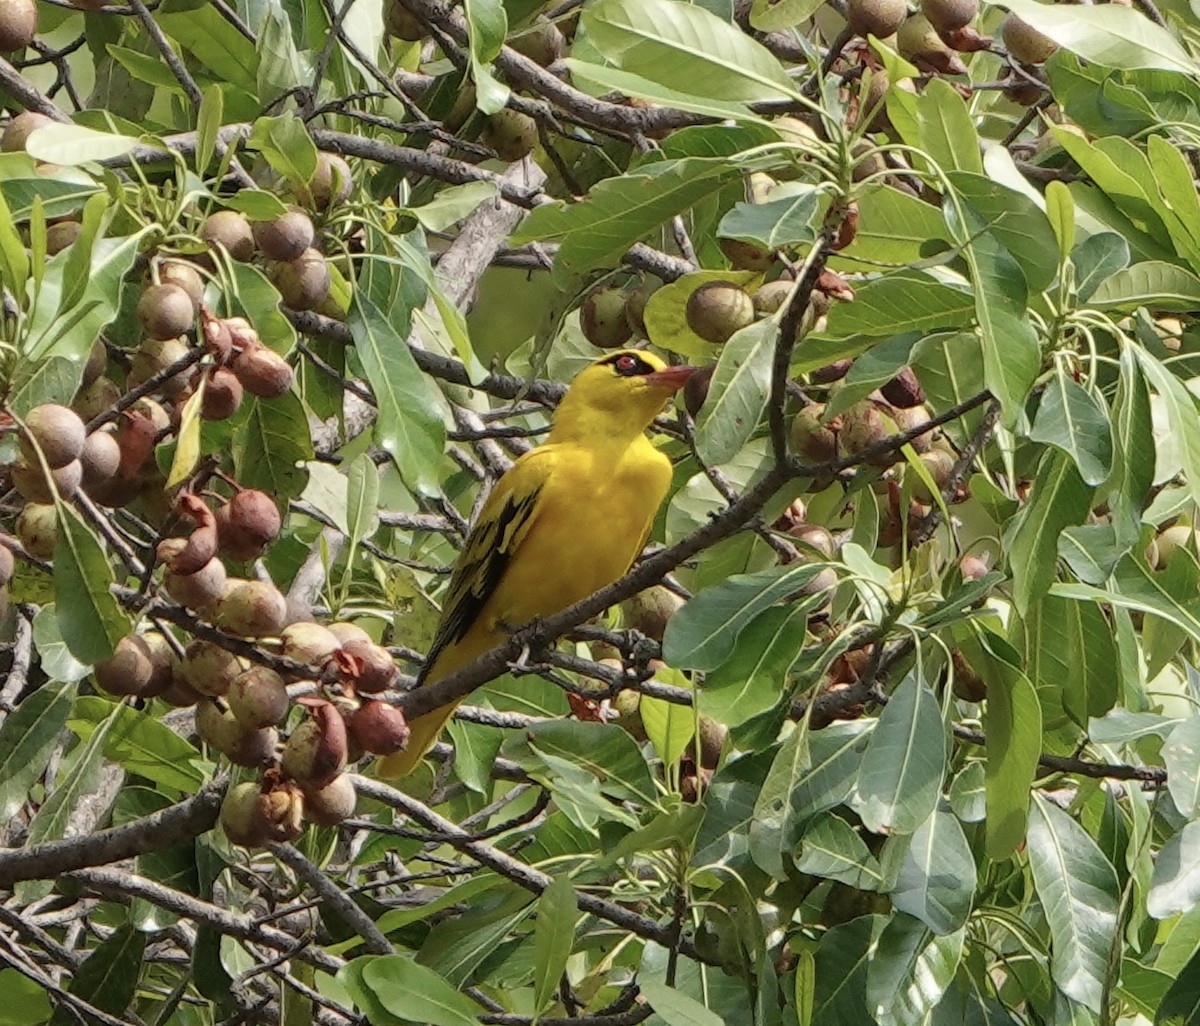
{"points": [[37, 529], [346, 632], [968, 685], [862, 426], [648, 611], [635, 307], [904, 390], [1170, 541], [770, 297], [199, 591], [695, 389], [57, 431], [263, 373], [543, 43], [97, 363], [712, 741], [258, 698], [180, 694], [165, 311], [602, 318], [247, 524], [31, 481], [816, 538], [197, 551], [255, 748], [304, 282], [812, 439], [400, 23], [380, 728], [19, 128], [155, 355], [130, 670], [907, 418], [230, 230], [241, 818], [60, 235], [217, 726], [878, 18], [331, 804], [208, 668], [947, 15], [940, 465], [331, 181], [309, 643], [282, 809], [186, 276], [223, 394], [96, 397], [719, 309], [919, 42], [252, 609], [746, 256], [377, 670], [315, 752], [1025, 44], [511, 134], [18, 24], [284, 238]]}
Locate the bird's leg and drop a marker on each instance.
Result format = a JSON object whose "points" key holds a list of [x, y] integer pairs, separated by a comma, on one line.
{"points": [[526, 637]]}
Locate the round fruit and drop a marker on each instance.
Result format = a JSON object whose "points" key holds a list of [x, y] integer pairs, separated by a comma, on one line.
{"points": [[18, 130], [1169, 541], [222, 395], [635, 307], [129, 670], [217, 726], [18, 24], [907, 418], [208, 668], [940, 465], [602, 318], [746, 256], [96, 397], [904, 390], [831, 372], [258, 697], [201, 590], [165, 311], [948, 15], [863, 426], [1024, 43], [377, 671], [31, 482], [812, 439], [770, 297], [60, 235], [329, 805], [695, 389], [100, 459], [648, 611], [816, 537], [511, 134], [380, 728], [156, 355], [309, 643], [282, 809], [263, 373], [57, 431], [303, 282], [230, 230], [241, 818], [37, 529], [286, 237], [331, 181], [97, 363], [919, 42], [247, 524], [253, 609], [346, 632], [543, 43], [719, 309], [712, 741], [186, 276], [315, 752], [878, 18], [401, 23]]}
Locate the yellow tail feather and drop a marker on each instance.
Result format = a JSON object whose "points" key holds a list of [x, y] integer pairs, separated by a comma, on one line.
{"points": [[424, 731]]}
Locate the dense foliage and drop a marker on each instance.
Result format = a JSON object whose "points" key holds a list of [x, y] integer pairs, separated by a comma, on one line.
{"points": [[896, 720]]}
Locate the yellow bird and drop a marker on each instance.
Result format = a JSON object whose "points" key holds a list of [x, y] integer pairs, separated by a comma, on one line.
{"points": [[568, 518]]}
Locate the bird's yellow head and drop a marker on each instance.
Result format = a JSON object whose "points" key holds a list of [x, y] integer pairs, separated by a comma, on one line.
{"points": [[619, 396]]}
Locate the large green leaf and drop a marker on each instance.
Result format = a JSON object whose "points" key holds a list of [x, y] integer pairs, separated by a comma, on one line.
{"points": [[1152, 283], [28, 736], [214, 42], [843, 958], [894, 228], [905, 761], [1179, 405], [1078, 890], [934, 873], [910, 971], [789, 217], [410, 425], [90, 618], [417, 994], [1176, 883], [685, 47], [487, 22], [945, 129], [1181, 1003], [676, 1008], [833, 849], [273, 446], [1183, 766], [1133, 437], [553, 935], [108, 978], [1076, 421], [737, 393]]}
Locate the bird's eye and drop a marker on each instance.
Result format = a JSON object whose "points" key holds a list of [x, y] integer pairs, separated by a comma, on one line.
{"points": [[628, 365]]}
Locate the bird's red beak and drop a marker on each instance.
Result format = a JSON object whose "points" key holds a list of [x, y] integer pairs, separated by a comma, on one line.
{"points": [[672, 379]]}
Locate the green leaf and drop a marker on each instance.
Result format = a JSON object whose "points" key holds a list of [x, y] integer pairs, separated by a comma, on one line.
{"points": [[1181, 757], [1176, 883], [1179, 405], [1060, 499], [417, 994], [488, 25], [621, 210], [676, 1008], [452, 204], [14, 258], [281, 67], [604, 752], [1013, 725], [669, 725], [1060, 210], [843, 956], [1115, 36], [832, 848], [1133, 435], [1073, 419], [784, 220], [1152, 283], [894, 228], [603, 78], [91, 619], [287, 147], [553, 938], [272, 447], [362, 499], [187, 444], [738, 392], [25, 1000], [214, 42], [1095, 258], [910, 971], [687, 48], [258, 205], [1181, 1003], [934, 872], [140, 743], [108, 978], [902, 768], [74, 144], [208, 124], [702, 634], [1079, 892], [946, 131], [410, 427], [27, 737]]}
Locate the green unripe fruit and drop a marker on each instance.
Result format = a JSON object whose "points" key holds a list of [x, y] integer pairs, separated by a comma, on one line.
{"points": [[719, 309], [602, 318], [252, 609], [37, 529], [258, 697], [511, 134], [812, 439]]}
